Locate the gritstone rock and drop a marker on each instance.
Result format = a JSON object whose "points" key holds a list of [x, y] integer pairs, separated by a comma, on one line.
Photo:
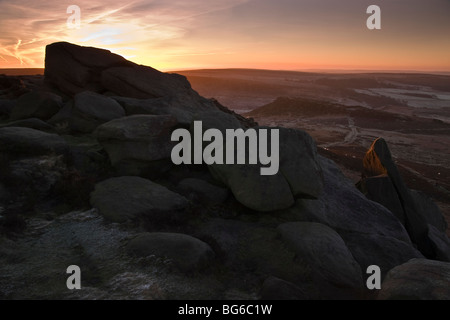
{"points": [[126, 198]]}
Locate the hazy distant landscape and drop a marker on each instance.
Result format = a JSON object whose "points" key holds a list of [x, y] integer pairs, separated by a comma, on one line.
{"points": [[344, 113]]}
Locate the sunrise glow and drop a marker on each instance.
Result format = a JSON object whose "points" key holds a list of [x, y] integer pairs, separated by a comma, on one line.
{"points": [[266, 34]]}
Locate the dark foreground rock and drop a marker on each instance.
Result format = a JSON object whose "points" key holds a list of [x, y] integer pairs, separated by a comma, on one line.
{"points": [[365, 226], [32, 123], [187, 253], [22, 141], [201, 191], [128, 198], [326, 254], [139, 137], [418, 279], [299, 175], [87, 111], [36, 104], [277, 289]]}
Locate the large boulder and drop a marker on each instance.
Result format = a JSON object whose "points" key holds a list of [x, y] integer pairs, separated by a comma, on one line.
{"points": [[127, 198], [30, 142], [261, 193], [139, 139], [321, 248], [36, 104], [189, 254], [139, 89], [87, 111], [73, 69], [299, 174], [144, 82], [418, 279]]}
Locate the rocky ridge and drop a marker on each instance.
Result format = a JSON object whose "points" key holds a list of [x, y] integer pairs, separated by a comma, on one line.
{"points": [[86, 178]]}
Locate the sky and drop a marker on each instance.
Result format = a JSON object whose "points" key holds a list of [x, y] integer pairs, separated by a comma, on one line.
{"points": [[264, 34]]}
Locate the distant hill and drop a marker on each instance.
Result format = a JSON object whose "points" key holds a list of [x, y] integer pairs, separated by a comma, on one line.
{"points": [[298, 107], [284, 107], [22, 71]]}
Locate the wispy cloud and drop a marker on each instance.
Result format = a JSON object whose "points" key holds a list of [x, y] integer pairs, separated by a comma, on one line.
{"points": [[143, 25]]}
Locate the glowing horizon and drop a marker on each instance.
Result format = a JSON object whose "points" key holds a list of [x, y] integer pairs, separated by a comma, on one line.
{"points": [[259, 34]]}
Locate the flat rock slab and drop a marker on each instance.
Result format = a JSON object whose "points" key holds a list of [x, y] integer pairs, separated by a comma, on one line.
{"points": [[189, 254], [418, 279], [125, 198]]}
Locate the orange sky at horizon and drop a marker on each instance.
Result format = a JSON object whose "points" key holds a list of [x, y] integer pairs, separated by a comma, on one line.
{"points": [[262, 34]]}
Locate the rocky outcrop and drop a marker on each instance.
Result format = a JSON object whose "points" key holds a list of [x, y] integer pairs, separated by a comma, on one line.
{"points": [[382, 183]]}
